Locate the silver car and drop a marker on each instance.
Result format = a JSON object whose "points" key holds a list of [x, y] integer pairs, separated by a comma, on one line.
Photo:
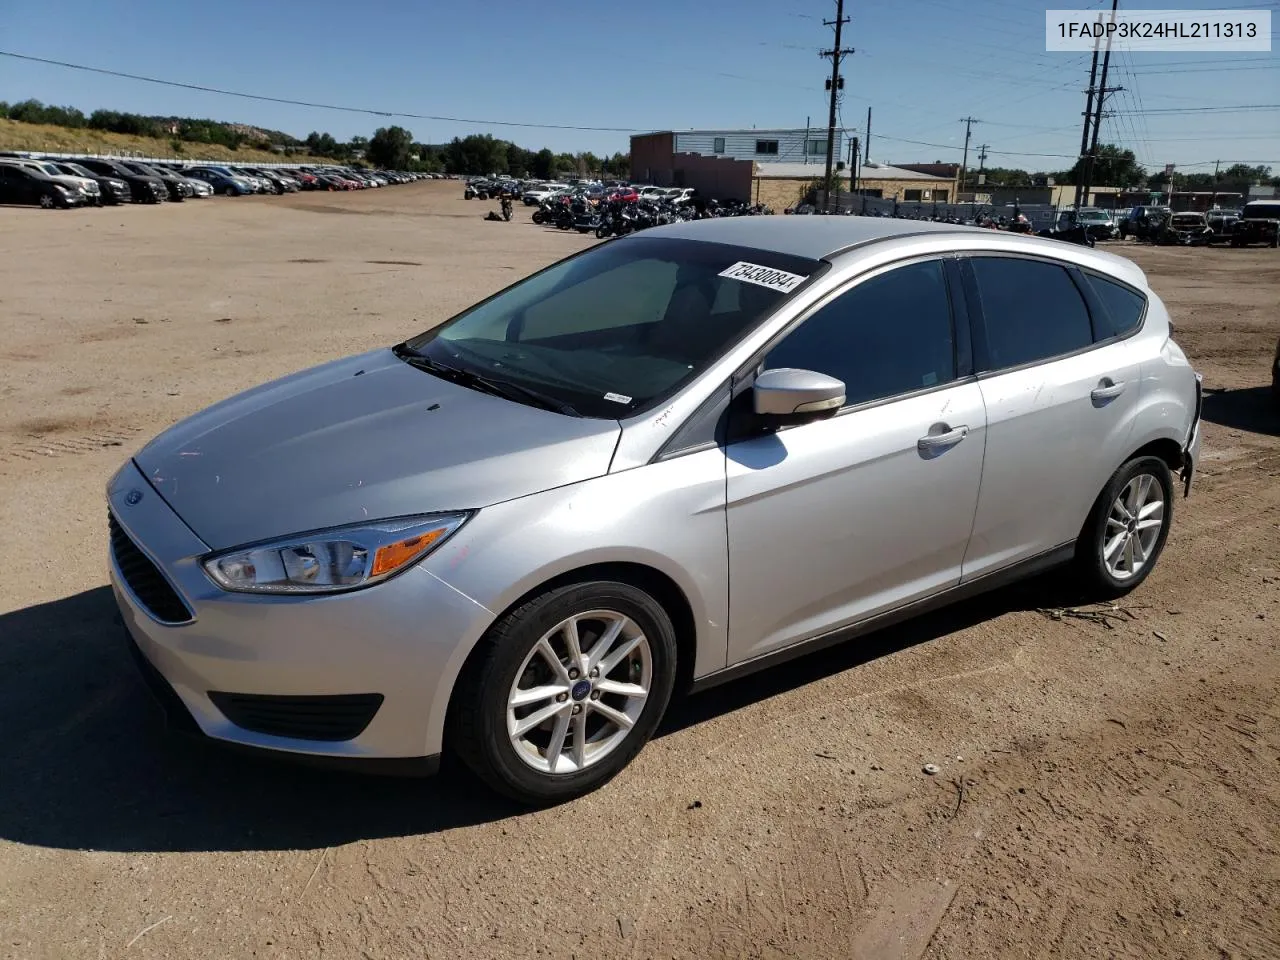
{"points": [[669, 460]]}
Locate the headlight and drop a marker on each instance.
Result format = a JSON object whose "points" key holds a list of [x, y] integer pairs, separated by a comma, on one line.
{"points": [[330, 561], [62, 187]]}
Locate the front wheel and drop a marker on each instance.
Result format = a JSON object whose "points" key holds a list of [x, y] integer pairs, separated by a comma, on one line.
{"points": [[47, 201], [1127, 528], [565, 691], [601, 232], [539, 217]]}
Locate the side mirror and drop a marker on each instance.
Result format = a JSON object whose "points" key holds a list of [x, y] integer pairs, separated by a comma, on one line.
{"points": [[788, 396]]}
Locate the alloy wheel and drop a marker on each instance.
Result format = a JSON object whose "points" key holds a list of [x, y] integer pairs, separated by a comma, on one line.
{"points": [[579, 691], [1133, 527]]}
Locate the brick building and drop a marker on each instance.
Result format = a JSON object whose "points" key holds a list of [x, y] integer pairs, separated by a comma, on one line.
{"points": [[771, 166]]}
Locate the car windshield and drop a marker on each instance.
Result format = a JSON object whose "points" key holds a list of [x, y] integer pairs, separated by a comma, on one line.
{"points": [[1262, 211], [620, 327]]}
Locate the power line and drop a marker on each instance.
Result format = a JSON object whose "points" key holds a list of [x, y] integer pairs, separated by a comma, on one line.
{"points": [[1240, 108], [308, 103]]}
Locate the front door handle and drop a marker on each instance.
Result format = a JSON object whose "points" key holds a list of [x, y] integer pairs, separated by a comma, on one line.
{"points": [[1107, 389], [933, 442]]}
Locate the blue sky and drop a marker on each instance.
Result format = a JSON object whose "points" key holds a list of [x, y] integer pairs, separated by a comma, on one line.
{"points": [[921, 64]]}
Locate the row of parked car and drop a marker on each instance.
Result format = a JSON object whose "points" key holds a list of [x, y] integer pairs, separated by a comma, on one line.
{"points": [[1257, 222], [535, 192], [71, 182]]}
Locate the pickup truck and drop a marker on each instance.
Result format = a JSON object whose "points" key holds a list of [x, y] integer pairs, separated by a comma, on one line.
{"points": [[1259, 223]]}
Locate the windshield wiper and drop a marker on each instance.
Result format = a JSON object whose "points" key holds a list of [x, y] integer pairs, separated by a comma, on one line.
{"points": [[491, 385]]}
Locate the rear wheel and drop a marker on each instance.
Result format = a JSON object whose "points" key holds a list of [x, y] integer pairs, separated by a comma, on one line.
{"points": [[566, 691], [1127, 528]]}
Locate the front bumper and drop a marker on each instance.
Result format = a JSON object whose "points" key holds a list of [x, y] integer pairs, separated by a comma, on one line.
{"points": [[403, 639]]}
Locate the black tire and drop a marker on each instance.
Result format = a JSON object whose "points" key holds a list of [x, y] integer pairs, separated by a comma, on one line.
{"points": [[539, 217], [1096, 579], [601, 232], [477, 731]]}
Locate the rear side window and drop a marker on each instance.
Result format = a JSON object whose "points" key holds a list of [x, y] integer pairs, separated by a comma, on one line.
{"points": [[1124, 308], [1031, 311]]}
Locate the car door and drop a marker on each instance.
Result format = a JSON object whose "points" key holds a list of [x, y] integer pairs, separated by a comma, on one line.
{"points": [[9, 188], [837, 520], [23, 187], [1060, 397]]}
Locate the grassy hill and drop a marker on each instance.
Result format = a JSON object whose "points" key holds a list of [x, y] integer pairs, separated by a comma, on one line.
{"points": [[15, 135]]}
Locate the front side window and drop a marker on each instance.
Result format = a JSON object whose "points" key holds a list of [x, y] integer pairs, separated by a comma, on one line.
{"points": [[1031, 311], [615, 329], [890, 334]]}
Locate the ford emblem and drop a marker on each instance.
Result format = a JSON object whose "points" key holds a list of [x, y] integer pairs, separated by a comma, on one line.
{"points": [[132, 497]]}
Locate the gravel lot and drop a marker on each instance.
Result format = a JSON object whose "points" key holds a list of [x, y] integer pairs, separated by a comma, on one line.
{"points": [[1105, 790]]}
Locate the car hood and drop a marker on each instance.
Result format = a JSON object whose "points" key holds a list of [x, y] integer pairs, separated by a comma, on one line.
{"points": [[364, 438]]}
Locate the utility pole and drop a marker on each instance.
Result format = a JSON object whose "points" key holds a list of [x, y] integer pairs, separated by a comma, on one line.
{"points": [[853, 165], [836, 53], [968, 123], [982, 158], [1099, 100], [1213, 198], [1088, 115], [867, 155]]}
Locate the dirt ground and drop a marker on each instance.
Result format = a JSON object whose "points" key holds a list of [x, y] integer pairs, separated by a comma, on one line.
{"points": [[1106, 790]]}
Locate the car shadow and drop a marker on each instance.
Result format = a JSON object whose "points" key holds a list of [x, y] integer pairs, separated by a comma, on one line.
{"points": [[1249, 408], [1051, 590], [1253, 408], [89, 764]]}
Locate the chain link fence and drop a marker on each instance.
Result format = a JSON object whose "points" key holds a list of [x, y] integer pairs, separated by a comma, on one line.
{"points": [[1041, 215]]}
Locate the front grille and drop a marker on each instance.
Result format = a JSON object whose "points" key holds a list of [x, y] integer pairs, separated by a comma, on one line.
{"points": [[144, 580], [336, 717]]}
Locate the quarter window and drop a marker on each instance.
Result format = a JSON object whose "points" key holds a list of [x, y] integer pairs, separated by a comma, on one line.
{"points": [[1124, 308], [1031, 311], [888, 335]]}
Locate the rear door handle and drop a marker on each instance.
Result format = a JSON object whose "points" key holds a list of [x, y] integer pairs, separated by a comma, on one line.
{"points": [[933, 442], [1107, 389]]}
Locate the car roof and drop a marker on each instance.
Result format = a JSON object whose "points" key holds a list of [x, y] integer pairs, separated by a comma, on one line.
{"points": [[819, 237]]}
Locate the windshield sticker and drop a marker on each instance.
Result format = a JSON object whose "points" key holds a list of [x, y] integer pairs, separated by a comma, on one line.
{"points": [[778, 280], [617, 398]]}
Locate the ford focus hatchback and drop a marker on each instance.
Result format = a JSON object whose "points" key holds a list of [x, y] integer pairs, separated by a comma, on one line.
{"points": [[651, 467]]}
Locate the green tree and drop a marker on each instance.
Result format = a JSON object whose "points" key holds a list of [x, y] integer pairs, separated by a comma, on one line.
{"points": [[543, 165], [1114, 167], [389, 148], [476, 154]]}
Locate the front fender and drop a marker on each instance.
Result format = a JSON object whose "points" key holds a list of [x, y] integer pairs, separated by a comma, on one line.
{"points": [[666, 516]]}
